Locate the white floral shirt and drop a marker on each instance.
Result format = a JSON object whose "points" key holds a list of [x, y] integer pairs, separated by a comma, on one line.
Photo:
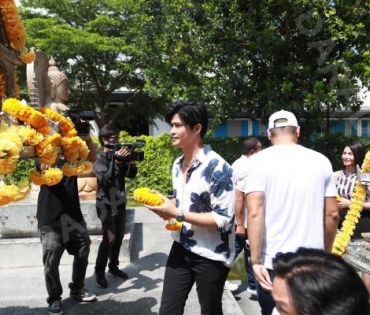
{"points": [[208, 188]]}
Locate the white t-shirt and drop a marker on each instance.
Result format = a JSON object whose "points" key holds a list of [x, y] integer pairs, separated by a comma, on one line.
{"points": [[295, 181], [241, 167]]}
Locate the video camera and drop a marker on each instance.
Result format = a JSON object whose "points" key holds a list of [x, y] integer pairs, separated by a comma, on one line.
{"points": [[130, 146], [81, 120]]}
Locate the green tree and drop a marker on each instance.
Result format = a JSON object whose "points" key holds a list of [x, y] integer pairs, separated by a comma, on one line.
{"points": [[247, 57], [93, 41]]}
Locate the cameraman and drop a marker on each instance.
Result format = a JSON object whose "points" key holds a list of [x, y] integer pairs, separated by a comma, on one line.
{"points": [[111, 167]]}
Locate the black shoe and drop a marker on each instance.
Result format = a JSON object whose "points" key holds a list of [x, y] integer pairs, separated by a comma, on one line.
{"points": [[55, 308], [100, 281], [118, 274], [81, 295]]}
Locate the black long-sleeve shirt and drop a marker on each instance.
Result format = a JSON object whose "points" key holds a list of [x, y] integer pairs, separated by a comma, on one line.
{"points": [[111, 178]]}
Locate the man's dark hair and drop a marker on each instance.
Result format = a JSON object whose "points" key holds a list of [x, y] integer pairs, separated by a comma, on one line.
{"points": [[249, 144], [359, 152], [191, 113], [107, 131], [321, 283]]}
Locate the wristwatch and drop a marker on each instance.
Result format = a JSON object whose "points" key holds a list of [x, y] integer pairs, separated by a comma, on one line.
{"points": [[181, 216]]}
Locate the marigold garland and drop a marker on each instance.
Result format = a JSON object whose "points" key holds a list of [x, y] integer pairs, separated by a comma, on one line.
{"points": [[66, 126], [9, 193], [10, 148], [49, 177], [146, 196], [13, 25], [27, 114], [353, 215], [27, 57]]}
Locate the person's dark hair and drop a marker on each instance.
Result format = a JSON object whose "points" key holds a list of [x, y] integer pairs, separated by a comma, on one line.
{"points": [[107, 131], [359, 152], [191, 113], [249, 144], [321, 283]]}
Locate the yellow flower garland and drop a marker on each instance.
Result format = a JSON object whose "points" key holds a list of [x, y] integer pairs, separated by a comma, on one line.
{"points": [[354, 213], [27, 114], [10, 148], [145, 196], [66, 126]]}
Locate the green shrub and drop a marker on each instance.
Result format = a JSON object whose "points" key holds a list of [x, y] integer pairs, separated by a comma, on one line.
{"points": [[155, 170]]}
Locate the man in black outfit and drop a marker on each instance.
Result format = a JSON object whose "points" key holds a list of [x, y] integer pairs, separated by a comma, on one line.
{"points": [[112, 166], [62, 227]]}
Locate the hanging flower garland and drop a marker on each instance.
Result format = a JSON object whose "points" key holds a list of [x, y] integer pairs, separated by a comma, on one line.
{"points": [[66, 126], [49, 177], [27, 56], [10, 148], [353, 215], [47, 149], [27, 114], [11, 193], [13, 25]]}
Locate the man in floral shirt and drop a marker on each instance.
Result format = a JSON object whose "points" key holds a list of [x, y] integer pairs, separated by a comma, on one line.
{"points": [[203, 250]]}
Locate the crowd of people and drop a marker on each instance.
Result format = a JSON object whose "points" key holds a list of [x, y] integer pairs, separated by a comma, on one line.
{"points": [[279, 205]]}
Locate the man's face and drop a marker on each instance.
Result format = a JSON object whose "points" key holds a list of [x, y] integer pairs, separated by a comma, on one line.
{"points": [[182, 135], [282, 297]]}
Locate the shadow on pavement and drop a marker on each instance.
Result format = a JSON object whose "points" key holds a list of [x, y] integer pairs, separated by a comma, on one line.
{"points": [[141, 306]]}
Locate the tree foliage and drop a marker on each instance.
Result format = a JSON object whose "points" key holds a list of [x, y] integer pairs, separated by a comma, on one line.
{"points": [[247, 57], [94, 43]]}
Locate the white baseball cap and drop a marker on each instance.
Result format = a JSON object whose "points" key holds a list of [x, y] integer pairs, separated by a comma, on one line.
{"points": [[288, 120]]}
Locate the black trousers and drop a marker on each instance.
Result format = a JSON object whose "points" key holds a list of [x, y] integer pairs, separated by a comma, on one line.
{"points": [[113, 227], [54, 240], [182, 270]]}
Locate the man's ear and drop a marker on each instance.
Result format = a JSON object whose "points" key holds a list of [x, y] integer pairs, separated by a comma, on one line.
{"points": [[269, 136], [198, 128], [298, 131]]}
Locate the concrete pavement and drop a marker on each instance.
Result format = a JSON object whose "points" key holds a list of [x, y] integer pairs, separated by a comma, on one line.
{"points": [[22, 290]]}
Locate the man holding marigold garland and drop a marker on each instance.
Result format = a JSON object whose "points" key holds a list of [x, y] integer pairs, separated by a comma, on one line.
{"points": [[291, 201], [203, 250], [62, 226]]}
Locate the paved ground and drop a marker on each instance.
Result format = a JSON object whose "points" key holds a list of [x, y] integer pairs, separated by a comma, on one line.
{"points": [[22, 290]]}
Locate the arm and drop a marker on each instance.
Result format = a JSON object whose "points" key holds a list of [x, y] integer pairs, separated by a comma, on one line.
{"points": [[331, 218], [239, 213], [255, 222], [218, 214], [168, 210]]}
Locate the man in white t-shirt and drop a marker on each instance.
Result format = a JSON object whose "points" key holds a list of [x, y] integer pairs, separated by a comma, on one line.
{"points": [[290, 199], [241, 168]]}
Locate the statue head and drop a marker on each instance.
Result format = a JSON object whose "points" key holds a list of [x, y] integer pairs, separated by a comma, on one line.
{"points": [[59, 83]]}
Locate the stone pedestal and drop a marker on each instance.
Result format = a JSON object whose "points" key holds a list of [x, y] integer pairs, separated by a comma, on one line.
{"points": [[20, 245]]}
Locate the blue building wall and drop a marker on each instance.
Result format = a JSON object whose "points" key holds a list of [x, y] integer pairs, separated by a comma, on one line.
{"points": [[247, 127]]}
